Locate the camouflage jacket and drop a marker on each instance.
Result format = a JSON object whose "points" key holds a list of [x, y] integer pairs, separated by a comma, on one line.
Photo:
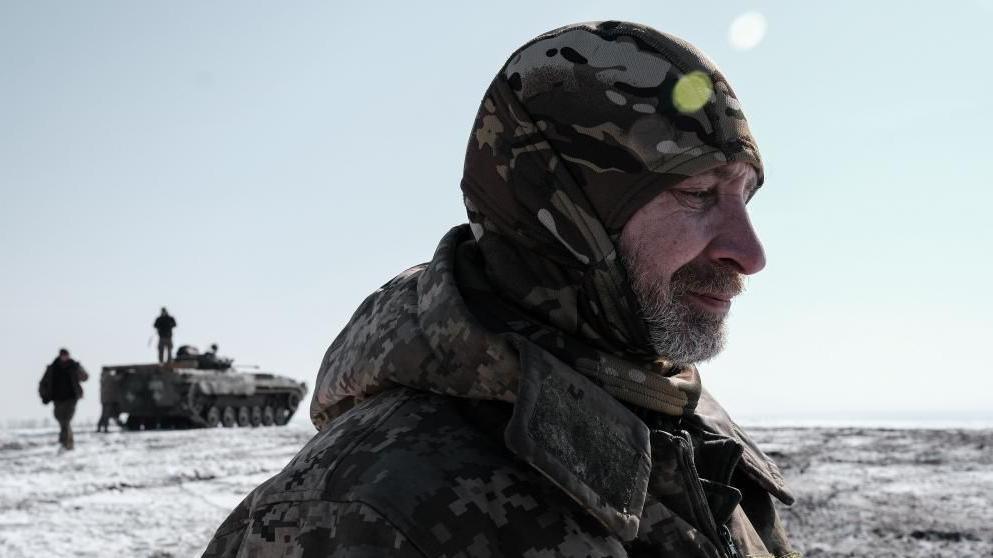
{"points": [[440, 438]]}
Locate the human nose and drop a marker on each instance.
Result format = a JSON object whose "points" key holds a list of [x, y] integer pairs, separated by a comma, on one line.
{"points": [[737, 245]]}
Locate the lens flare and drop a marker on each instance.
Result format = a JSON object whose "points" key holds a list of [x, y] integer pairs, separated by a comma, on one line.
{"points": [[747, 31], [692, 91]]}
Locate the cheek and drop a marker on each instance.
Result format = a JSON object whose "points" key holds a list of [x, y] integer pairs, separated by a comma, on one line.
{"points": [[669, 246], [664, 237]]}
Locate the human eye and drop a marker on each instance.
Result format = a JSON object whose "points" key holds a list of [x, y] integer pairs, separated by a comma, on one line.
{"points": [[696, 198]]}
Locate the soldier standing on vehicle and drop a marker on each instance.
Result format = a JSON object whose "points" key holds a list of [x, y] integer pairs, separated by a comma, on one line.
{"points": [[533, 390], [61, 386], [164, 325]]}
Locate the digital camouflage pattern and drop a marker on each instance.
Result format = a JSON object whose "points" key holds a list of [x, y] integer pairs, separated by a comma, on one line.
{"points": [[502, 400]]}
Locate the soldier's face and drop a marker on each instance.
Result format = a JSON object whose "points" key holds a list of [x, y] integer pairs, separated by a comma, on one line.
{"points": [[687, 252]]}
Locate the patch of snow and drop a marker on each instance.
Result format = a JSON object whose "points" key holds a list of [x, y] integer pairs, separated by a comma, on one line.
{"points": [[152, 493]]}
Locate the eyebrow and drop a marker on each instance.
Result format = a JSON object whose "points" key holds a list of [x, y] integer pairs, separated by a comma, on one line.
{"points": [[724, 174]]}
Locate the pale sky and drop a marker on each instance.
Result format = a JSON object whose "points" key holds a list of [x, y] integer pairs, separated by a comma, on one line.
{"points": [[260, 167]]}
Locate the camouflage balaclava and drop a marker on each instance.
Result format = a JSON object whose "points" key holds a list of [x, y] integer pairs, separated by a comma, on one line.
{"points": [[582, 126]]}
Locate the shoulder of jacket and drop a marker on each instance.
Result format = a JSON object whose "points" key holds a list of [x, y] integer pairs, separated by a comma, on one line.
{"points": [[382, 310], [312, 473], [440, 480], [306, 482], [381, 335], [321, 528], [396, 290]]}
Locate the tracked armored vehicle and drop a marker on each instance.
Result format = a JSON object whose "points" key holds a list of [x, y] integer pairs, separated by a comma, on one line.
{"points": [[197, 391]]}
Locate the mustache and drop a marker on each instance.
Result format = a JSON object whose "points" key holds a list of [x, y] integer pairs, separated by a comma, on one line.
{"points": [[717, 280]]}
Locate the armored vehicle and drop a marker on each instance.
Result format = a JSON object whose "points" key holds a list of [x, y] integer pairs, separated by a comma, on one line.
{"points": [[197, 391]]}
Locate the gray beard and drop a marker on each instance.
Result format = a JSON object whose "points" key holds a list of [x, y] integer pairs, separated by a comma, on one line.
{"points": [[679, 332]]}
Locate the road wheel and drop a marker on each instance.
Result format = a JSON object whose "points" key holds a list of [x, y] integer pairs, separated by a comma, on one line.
{"points": [[244, 416], [256, 415], [282, 415], [292, 401], [213, 417], [229, 417], [196, 402], [133, 423], [268, 416]]}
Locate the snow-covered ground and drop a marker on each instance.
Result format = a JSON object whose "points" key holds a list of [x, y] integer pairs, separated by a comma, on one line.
{"points": [[887, 493], [134, 494], [861, 491]]}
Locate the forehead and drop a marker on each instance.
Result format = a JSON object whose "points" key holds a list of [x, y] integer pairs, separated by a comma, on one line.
{"points": [[730, 172]]}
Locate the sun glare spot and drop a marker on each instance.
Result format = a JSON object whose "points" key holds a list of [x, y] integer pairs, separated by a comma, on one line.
{"points": [[747, 31], [692, 91]]}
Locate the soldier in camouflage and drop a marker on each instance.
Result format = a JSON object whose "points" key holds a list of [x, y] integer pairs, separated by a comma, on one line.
{"points": [[521, 393]]}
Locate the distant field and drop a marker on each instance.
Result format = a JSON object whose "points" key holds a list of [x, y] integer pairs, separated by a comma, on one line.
{"points": [[861, 492], [887, 493]]}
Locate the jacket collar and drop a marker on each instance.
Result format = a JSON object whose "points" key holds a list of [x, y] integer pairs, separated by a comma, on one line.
{"points": [[582, 439]]}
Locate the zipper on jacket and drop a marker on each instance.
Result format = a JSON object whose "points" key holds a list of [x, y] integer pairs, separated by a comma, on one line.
{"points": [[723, 534], [701, 507], [731, 548]]}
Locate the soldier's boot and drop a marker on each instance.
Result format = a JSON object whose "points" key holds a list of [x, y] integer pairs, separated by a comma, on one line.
{"points": [[65, 435]]}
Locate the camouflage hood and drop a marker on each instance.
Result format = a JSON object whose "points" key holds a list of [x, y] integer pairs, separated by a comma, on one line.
{"points": [[581, 127]]}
